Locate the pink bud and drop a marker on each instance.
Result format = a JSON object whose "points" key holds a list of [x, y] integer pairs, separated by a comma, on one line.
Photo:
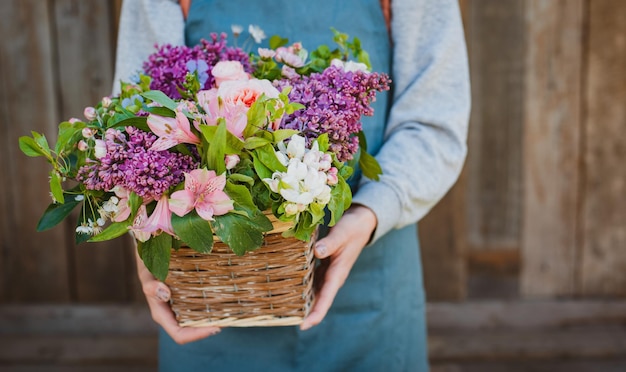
{"points": [[88, 132], [331, 176], [74, 120], [90, 113], [231, 161], [106, 102], [82, 145]]}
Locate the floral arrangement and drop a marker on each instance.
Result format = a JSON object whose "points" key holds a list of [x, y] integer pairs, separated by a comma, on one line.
{"points": [[209, 137]]}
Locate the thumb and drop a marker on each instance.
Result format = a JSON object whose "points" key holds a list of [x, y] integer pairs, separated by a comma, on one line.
{"points": [[328, 245], [157, 289]]}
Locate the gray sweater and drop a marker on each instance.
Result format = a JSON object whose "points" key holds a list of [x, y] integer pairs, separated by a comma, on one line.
{"points": [[425, 143]]}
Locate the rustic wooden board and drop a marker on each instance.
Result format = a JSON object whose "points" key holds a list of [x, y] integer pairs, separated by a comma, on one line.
{"points": [[603, 270], [497, 46], [85, 46], [551, 147], [34, 266], [442, 242]]}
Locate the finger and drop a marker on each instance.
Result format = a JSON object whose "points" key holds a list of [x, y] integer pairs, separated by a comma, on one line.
{"points": [[336, 275], [163, 315], [330, 244], [156, 289]]}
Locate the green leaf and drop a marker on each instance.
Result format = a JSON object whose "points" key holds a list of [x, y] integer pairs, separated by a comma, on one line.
{"points": [[255, 142], [369, 166], [267, 155], [55, 187], [41, 141], [317, 212], [362, 141], [56, 213], [304, 228], [340, 200], [256, 119], [217, 149], [67, 130], [161, 111], [241, 178], [134, 201], [242, 197], [113, 231], [322, 142], [30, 147], [139, 122], [155, 254], [194, 230], [277, 41], [160, 97], [233, 145], [239, 232], [282, 134]]}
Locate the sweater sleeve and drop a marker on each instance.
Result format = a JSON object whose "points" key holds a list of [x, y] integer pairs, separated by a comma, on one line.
{"points": [[144, 23], [425, 140]]}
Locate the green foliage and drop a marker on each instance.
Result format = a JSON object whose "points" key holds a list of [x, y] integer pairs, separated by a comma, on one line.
{"points": [[56, 212], [241, 233], [155, 254], [194, 231], [113, 231]]}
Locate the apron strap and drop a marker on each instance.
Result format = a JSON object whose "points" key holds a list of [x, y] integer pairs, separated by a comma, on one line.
{"points": [[386, 5]]}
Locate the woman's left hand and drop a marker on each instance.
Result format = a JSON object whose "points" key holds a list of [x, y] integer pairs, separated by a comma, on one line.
{"points": [[341, 248]]}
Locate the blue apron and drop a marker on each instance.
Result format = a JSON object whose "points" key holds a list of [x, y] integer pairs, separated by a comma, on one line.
{"points": [[377, 321]]}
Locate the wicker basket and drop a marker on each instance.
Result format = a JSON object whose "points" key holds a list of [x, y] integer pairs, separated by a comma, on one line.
{"points": [[271, 286]]}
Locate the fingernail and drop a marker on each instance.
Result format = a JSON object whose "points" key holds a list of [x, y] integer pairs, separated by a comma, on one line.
{"points": [[321, 250], [162, 294], [213, 333]]}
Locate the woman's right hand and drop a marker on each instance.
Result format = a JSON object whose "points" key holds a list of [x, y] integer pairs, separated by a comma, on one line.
{"points": [[158, 295]]}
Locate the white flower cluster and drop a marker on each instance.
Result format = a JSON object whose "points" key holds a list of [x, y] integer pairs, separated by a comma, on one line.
{"points": [[308, 178], [90, 227]]}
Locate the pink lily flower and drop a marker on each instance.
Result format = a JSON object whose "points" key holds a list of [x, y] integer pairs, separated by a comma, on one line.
{"points": [[171, 131], [139, 225], [204, 193], [159, 221], [123, 206]]}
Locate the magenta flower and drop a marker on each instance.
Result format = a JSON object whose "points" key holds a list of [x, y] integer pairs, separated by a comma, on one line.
{"points": [[204, 192], [171, 131]]}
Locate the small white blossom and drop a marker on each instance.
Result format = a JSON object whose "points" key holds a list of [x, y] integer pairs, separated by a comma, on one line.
{"points": [[236, 29], [100, 150], [349, 66], [257, 33], [266, 53], [79, 197], [83, 229]]}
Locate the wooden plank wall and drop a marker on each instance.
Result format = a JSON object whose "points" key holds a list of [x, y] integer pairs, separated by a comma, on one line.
{"points": [[57, 57], [543, 190], [539, 210]]}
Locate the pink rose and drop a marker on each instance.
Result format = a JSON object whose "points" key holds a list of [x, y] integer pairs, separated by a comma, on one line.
{"points": [[228, 70], [246, 92]]}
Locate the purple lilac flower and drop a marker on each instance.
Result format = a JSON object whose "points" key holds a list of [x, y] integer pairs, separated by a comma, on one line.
{"points": [[334, 102], [168, 66], [129, 163]]}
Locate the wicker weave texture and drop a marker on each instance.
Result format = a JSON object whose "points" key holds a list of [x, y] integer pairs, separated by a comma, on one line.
{"points": [[272, 286]]}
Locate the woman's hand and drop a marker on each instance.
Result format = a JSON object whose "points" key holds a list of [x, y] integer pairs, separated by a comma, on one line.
{"points": [[158, 295], [340, 248]]}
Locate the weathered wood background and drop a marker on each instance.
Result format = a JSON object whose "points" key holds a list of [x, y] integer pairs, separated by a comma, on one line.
{"points": [[538, 213]]}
